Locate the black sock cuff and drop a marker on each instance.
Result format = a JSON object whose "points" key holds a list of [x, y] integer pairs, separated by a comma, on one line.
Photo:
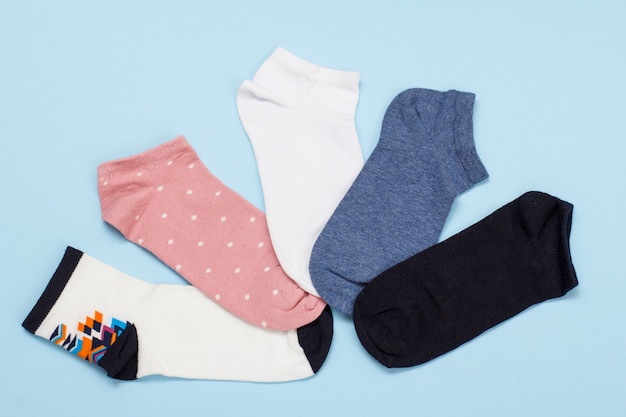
{"points": [[540, 213], [315, 339], [53, 290], [568, 273]]}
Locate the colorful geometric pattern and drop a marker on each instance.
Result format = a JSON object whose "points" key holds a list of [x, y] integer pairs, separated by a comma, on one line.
{"points": [[92, 339]]}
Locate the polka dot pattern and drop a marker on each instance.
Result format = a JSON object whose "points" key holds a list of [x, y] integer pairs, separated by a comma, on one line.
{"points": [[213, 237]]}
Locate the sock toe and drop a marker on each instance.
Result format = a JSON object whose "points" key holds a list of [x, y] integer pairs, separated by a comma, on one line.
{"points": [[378, 350], [390, 335], [315, 339]]}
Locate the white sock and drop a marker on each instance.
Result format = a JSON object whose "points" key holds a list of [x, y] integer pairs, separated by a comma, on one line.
{"points": [[133, 329], [299, 118]]}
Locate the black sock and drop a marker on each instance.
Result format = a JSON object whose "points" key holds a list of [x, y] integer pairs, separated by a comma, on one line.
{"points": [[450, 293]]}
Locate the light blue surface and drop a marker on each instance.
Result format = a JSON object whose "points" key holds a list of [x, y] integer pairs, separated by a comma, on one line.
{"points": [[82, 82]]}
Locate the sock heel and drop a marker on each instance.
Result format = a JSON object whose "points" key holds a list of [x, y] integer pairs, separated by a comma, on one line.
{"points": [[120, 361], [536, 209], [123, 210], [248, 90]]}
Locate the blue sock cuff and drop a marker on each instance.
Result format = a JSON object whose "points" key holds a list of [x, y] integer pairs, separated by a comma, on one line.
{"points": [[464, 138]]}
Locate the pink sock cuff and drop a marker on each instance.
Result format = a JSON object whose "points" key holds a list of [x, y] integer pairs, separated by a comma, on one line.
{"points": [[148, 159]]}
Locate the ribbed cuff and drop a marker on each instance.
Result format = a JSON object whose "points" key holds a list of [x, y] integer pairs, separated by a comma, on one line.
{"points": [[145, 160], [53, 290], [568, 273], [348, 80], [464, 137]]}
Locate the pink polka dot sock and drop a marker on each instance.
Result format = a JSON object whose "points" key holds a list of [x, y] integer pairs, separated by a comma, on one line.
{"points": [[168, 202]]}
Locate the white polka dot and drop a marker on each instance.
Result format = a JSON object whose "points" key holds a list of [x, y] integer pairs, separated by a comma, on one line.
{"points": [[189, 191], [217, 193], [275, 292], [164, 215], [223, 219], [139, 174], [160, 188], [178, 267], [237, 270], [169, 163], [170, 241], [246, 297], [229, 244], [252, 219], [137, 217], [264, 323], [208, 270], [201, 243], [260, 245], [140, 241], [194, 217], [105, 183], [217, 297], [267, 268], [191, 166]]}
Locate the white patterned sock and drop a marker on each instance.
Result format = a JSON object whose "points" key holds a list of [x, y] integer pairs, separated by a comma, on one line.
{"points": [[133, 329]]}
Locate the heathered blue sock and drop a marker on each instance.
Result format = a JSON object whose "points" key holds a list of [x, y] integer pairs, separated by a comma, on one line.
{"points": [[399, 202]]}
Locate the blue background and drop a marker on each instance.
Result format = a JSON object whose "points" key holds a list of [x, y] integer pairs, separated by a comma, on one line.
{"points": [[82, 82]]}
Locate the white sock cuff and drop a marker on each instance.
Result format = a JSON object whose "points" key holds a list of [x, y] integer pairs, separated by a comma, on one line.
{"points": [[286, 61]]}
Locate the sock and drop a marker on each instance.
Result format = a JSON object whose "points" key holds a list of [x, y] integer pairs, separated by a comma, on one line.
{"points": [[167, 201], [450, 293], [132, 329], [299, 118], [400, 200]]}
